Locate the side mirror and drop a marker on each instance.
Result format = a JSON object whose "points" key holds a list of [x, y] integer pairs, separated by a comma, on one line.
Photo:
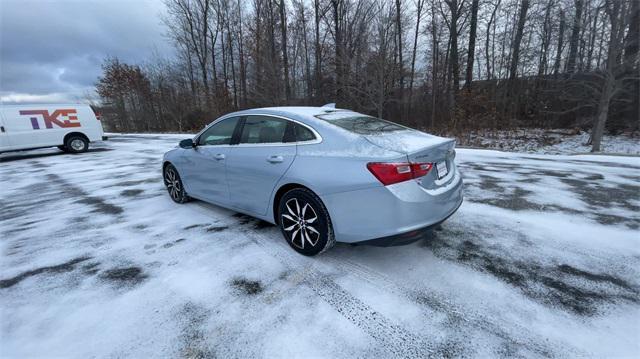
{"points": [[188, 143]]}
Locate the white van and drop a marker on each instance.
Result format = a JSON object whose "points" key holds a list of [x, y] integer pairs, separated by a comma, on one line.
{"points": [[70, 127]]}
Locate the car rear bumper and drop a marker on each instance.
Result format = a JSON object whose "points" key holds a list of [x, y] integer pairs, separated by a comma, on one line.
{"points": [[407, 237], [395, 214]]}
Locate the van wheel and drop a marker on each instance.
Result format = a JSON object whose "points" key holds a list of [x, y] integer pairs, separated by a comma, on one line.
{"points": [[76, 144]]}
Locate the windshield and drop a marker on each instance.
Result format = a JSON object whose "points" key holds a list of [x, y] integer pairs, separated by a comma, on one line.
{"points": [[360, 124]]}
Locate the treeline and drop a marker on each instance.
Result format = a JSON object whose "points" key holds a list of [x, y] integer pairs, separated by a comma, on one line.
{"points": [[440, 65]]}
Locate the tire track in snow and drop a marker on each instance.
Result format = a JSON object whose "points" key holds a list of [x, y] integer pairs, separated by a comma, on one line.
{"points": [[98, 203], [456, 316], [389, 335], [532, 342], [392, 337]]}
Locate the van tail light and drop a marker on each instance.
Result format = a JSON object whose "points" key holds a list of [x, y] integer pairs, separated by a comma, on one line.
{"points": [[394, 172], [96, 113]]}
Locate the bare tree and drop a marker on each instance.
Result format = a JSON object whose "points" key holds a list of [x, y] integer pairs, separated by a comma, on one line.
{"points": [[285, 48], [232, 54], [515, 55], [488, 38], [419, 4], [559, 47], [472, 44], [575, 36], [614, 76]]}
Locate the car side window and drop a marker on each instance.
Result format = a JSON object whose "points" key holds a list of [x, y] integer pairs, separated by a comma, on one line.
{"points": [[219, 134], [303, 134], [264, 129]]}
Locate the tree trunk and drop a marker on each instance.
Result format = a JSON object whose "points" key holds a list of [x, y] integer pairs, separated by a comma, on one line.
{"points": [[472, 44], [233, 71], [419, 6], [285, 48], [556, 64], [434, 64], [243, 66], [546, 38], [454, 64], [338, 53], [592, 39], [307, 61], [317, 50], [632, 40], [487, 38], [613, 9], [515, 57], [603, 113], [575, 37], [399, 34]]}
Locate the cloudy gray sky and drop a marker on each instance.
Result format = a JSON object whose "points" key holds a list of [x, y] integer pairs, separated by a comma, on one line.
{"points": [[51, 50]]}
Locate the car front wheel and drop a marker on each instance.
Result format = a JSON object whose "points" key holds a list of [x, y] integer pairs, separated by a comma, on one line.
{"points": [[305, 222], [174, 184]]}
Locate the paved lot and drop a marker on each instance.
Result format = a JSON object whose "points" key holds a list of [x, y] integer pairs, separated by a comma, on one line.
{"points": [[542, 259]]}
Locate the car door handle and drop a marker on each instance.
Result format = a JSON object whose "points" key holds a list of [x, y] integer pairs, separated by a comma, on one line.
{"points": [[275, 159], [219, 157]]}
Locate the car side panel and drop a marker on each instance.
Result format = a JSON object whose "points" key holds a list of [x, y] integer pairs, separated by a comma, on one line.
{"points": [[203, 173], [253, 172]]}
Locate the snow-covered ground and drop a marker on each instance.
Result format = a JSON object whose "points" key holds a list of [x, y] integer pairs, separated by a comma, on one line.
{"points": [[555, 141], [542, 259]]}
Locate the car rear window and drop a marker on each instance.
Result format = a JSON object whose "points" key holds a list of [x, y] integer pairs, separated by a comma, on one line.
{"points": [[360, 124]]}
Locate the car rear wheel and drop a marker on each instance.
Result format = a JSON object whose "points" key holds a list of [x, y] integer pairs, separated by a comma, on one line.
{"points": [[305, 222], [174, 184], [76, 144]]}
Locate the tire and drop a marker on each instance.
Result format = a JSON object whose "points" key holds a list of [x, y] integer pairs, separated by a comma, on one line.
{"points": [[76, 144], [174, 184], [305, 222]]}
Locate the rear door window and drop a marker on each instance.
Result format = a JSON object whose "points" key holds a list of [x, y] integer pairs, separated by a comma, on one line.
{"points": [[264, 129]]}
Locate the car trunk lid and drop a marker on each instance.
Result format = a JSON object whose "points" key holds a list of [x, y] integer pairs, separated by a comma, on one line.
{"points": [[420, 147]]}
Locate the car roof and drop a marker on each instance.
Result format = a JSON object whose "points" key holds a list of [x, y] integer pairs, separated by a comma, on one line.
{"points": [[304, 114]]}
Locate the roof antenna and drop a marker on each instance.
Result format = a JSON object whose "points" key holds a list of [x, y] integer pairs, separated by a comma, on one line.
{"points": [[330, 105]]}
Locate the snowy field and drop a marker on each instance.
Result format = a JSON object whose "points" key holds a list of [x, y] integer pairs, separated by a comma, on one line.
{"points": [[553, 141], [542, 260]]}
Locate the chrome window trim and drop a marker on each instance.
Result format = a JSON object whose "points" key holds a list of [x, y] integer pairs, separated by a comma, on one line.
{"points": [[317, 140]]}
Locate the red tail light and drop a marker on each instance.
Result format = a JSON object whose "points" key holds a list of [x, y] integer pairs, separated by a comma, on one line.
{"points": [[390, 173]]}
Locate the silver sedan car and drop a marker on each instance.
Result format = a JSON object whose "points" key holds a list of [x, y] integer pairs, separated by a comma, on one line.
{"points": [[322, 174]]}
